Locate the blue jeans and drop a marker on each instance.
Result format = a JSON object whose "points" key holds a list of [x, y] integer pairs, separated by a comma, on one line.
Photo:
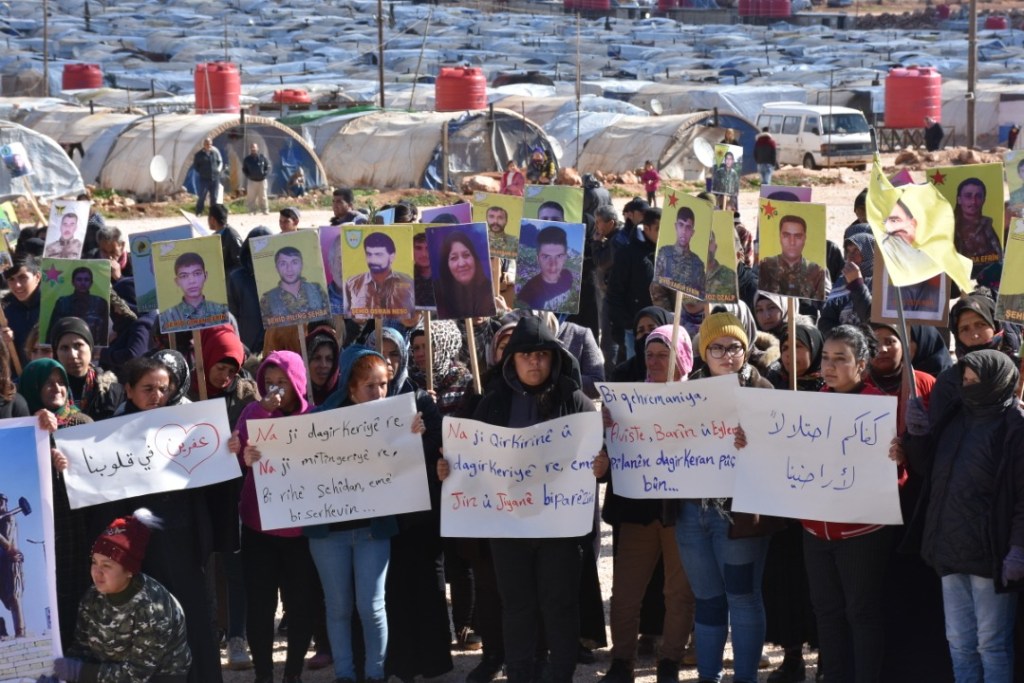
{"points": [[766, 173], [204, 188], [343, 558], [979, 628], [725, 575]]}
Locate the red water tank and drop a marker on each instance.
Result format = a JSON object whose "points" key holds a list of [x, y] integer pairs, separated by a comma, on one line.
{"points": [[292, 96], [942, 11], [218, 88], [996, 22], [461, 88], [765, 8], [81, 77], [594, 5], [571, 5], [665, 5], [911, 94]]}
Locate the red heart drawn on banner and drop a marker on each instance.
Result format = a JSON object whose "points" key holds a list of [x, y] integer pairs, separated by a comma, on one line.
{"points": [[187, 448]]}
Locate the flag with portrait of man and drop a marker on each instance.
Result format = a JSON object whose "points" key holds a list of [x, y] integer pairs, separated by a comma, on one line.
{"points": [[913, 226]]}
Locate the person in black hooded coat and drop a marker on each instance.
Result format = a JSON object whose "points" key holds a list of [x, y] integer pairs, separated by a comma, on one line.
{"points": [[244, 299], [973, 520]]}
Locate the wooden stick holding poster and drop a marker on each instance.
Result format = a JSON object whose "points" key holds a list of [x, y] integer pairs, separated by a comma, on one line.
{"points": [[672, 440], [12, 350], [340, 465], [429, 370], [791, 325], [535, 482], [303, 331], [474, 364], [821, 456], [154, 451], [677, 311], [197, 355]]}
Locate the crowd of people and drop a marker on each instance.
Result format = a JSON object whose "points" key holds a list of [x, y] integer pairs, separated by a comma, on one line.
{"points": [[932, 600]]}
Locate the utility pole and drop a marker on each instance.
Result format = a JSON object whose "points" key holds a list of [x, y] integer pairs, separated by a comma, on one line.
{"points": [[46, 49], [972, 70], [380, 49]]}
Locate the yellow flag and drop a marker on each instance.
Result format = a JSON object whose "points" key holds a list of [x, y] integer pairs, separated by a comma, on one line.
{"points": [[913, 226]]}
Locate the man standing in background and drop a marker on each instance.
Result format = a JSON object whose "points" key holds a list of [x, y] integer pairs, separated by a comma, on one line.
{"points": [[933, 134], [256, 168], [208, 165]]}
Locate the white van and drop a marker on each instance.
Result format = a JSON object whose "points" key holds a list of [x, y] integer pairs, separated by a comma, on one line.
{"points": [[814, 136]]}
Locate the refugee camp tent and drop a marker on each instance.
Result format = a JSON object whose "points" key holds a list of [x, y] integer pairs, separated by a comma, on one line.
{"points": [[53, 173], [625, 144], [177, 137], [387, 150]]}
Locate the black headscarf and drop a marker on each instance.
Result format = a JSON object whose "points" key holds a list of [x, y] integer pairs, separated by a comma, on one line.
{"points": [[984, 306], [811, 338], [994, 394], [177, 367], [932, 354]]}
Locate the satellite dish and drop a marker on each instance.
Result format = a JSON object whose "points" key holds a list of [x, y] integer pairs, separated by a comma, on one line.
{"points": [[704, 151], [158, 169], [656, 106]]}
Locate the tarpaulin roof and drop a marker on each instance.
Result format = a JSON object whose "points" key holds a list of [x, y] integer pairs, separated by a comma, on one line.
{"points": [[53, 173]]}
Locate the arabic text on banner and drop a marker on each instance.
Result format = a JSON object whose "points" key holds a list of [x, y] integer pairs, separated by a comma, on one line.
{"points": [[535, 482], [166, 449], [672, 440], [340, 465], [821, 456]]}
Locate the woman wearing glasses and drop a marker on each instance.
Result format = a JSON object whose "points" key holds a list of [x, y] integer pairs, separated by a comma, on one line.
{"points": [[724, 572]]}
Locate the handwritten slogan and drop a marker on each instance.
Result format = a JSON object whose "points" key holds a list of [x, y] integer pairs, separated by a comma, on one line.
{"points": [[672, 440], [820, 456], [535, 482], [340, 465], [166, 449]]}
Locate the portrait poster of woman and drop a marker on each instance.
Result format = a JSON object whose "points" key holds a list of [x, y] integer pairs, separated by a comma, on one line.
{"points": [[1010, 304], [549, 266], [976, 194], [559, 203], [924, 303], [460, 267]]}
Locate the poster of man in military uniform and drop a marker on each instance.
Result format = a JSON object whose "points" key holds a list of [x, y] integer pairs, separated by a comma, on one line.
{"points": [[190, 285], [679, 260], [792, 238], [75, 288], [290, 278], [65, 230], [502, 214]]}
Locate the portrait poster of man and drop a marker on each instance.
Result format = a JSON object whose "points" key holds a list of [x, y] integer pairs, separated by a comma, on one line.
{"points": [[75, 288], [30, 637], [460, 268], [792, 257], [786, 193], [16, 161], [65, 231], [378, 267], [725, 178], [1010, 303], [679, 262], [9, 224], [448, 215], [330, 251], [290, 278], [502, 213], [549, 266], [924, 303], [1013, 167], [720, 279], [191, 290], [976, 194], [140, 247], [559, 203]]}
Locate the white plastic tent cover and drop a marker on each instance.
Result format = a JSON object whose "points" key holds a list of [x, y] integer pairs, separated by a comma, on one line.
{"points": [[177, 137], [54, 175], [627, 143]]}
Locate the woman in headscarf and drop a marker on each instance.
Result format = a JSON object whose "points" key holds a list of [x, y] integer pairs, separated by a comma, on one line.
{"points": [[353, 557], [645, 536], [725, 572], [808, 359], [770, 312], [277, 560], [43, 386], [646, 321], [223, 356], [95, 392], [451, 376], [535, 385], [396, 353], [973, 530], [322, 349], [930, 350], [849, 300]]}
